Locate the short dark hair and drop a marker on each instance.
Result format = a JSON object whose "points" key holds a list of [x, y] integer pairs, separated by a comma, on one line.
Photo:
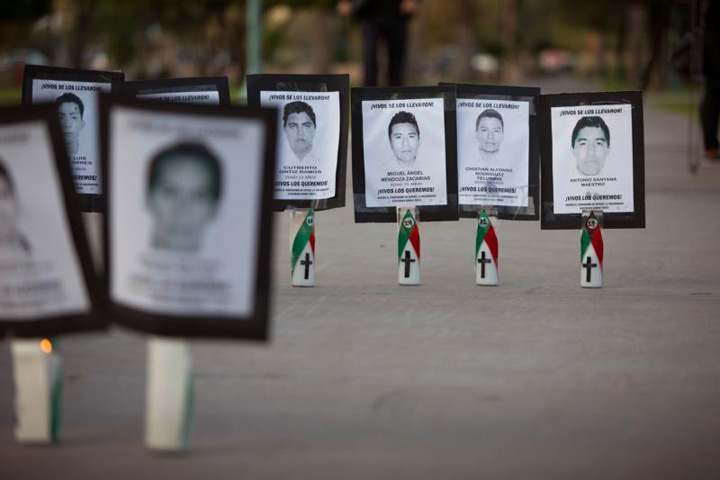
{"points": [[403, 117], [198, 152], [489, 113], [5, 173], [596, 122], [71, 98], [298, 107]]}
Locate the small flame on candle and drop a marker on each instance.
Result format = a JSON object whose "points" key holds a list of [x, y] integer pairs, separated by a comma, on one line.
{"points": [[46, 346]]}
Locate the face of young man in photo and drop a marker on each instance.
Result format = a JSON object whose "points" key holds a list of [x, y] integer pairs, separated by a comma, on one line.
{"points": [[590, 150], [182, 204], [404, 141], [300, 132], [71, 122], [489, 134], [8, 209]]}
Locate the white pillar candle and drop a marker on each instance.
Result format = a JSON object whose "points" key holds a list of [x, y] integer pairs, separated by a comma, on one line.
{"points": [[37, 370], [168, 408]]}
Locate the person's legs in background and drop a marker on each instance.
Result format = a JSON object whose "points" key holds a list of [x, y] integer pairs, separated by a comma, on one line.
{"points": [[371, 34], [396, 41], [710, 106]]}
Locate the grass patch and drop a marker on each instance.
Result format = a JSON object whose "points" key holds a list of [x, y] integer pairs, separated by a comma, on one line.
{"points": [[10, 96], [682, 100]]}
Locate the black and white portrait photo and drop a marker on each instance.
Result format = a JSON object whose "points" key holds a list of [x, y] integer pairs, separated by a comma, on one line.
{"points": [[591, 145], [493, 152], [592, 148], [308, 143], [41, 275], [184, 186], [77, 104], [71, 111], [404, 148], [183, 213], [404, 136], [489, 133], [299, 126]]}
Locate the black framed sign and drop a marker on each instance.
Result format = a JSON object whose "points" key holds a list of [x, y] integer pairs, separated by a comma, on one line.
{"points": [[76, 93], [47, 280], [189, 217], [593, 156], [204, 90], [498, 151], [404, 152], [313, 136]]}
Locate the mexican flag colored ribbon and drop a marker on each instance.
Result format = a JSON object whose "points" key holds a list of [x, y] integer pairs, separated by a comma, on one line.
{"points": [[409, 232], [304, 235], [486, 233], [591, 237]]}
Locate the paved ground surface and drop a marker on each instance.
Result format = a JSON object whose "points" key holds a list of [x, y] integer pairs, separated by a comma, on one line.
{"points": [[536, 378]]}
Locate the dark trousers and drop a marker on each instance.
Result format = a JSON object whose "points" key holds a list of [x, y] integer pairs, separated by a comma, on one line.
{"points": [[391, 29], [710, 106]]}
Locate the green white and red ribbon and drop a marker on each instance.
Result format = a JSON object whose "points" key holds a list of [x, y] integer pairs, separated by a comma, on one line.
{"points": [[304, 235], [486, 233], [408, 232], [592, 237]]}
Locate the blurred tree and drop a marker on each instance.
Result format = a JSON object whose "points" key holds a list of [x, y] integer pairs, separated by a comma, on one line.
{"points": [[24, 9], [16, 19], [619, 22]]}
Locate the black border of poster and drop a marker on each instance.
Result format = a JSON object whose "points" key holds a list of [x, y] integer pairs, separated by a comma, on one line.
{"points": [[434, 213], [87, 202], [131, 89], [93, 320], [252, 327], [551, 221], [517, 94], [257, 83]]}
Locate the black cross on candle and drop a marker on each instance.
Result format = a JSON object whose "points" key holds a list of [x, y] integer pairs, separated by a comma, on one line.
{"points": [[306, 263], [588, 268], [407, 261], [482, 261]]}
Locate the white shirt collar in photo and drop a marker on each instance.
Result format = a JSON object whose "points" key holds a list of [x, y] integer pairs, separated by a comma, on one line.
{"points": [[309, 159]]}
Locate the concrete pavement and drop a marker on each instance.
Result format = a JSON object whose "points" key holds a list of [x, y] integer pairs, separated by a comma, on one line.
{"points": [[536, 378]]}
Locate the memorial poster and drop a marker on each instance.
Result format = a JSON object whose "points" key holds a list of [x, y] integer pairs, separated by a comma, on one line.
{"points": [[309, 126], [45, 269], [493, 152], [189, 217], [313, 124], [593, 167], [404, 144], [498, 154], [75, 94], [404, 151], [596, 154]]}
